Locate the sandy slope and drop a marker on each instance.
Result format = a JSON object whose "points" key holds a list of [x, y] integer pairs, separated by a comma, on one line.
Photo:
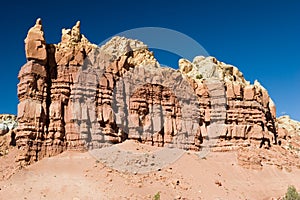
{"points": [[73, 175]]}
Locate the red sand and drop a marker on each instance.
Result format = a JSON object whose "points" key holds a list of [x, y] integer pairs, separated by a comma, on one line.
{"points": [[73, 175]]}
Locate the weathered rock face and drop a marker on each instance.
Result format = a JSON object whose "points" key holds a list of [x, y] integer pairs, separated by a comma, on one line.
{"points": [[245, 111], [151, 107], [65, 96], [75, 95], [32, 109]]}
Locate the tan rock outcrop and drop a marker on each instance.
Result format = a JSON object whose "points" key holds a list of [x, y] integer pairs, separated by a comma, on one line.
{"points": [[292, 126], [288, 132], [210, 67], [35, 44]]}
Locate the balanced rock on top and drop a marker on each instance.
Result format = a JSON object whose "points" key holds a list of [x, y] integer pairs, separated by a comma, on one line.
{"points": [[35, 44]]}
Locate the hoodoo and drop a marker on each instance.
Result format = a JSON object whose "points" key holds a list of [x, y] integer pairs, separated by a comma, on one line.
{"points": [[76, 95]]}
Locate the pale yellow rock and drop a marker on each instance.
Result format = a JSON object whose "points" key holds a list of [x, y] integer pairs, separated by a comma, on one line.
{"points": [[185, 66], [209, 67], [120, 46], [292, 126]]}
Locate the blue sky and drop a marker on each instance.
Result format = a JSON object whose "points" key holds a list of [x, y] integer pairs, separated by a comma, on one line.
{"points": [[261, 38]]}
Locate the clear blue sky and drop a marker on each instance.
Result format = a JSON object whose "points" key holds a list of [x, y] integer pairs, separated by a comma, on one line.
{"points": [[262, 38]]}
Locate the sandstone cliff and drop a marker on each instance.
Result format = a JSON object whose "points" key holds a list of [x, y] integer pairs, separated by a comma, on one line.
{"points": [[75, 95]]}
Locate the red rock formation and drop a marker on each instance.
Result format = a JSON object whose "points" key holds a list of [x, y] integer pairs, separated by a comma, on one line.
{"points": [[75, 95], [64, 102], [32, 109], [245, 112], [44, 90], [158, 113]]}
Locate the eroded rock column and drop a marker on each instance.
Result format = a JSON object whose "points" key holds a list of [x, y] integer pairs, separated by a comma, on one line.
{"points": [[32, 94]]}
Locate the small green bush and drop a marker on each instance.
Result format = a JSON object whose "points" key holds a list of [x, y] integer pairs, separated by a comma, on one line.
{"points": [[291, 194], [157, 196], [199, 76]]}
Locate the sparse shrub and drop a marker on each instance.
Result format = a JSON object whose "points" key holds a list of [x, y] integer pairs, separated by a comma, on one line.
{"points": [[199, 76], [157, 196], [291, 194]]}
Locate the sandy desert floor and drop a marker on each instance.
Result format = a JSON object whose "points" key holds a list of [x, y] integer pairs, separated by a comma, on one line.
{"points": [[74, 175]]}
